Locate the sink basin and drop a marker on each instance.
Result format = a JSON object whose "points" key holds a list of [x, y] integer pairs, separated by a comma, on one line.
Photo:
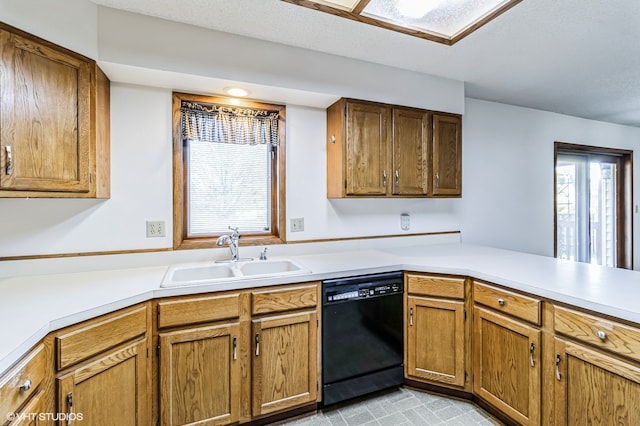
{"points": [[215, 272], [202, 273], [269, 267]]}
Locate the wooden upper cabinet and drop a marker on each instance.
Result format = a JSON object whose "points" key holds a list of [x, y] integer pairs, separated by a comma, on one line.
{"points": [[367, 149], [380, 150], [447, 155], [54, 110], [410, 155]]}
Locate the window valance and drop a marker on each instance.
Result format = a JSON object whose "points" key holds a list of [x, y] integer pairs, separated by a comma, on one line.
{"points": [[221, 124]]}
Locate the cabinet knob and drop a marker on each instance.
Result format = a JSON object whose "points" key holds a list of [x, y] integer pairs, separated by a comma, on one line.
{"points": [[558, 376], [501, 302], [26, 385], [601, 335], [333, 139], [384, 178], [397, 178]]}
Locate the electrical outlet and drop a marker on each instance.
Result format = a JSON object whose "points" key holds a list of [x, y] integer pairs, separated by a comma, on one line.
{"points": [[155, 228], [297, 224]]}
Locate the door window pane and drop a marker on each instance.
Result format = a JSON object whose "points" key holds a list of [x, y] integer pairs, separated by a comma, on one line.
{"points": [[586, 209]]}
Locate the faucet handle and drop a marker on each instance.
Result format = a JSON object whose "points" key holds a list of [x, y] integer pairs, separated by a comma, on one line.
{"points": [[235, 232]]}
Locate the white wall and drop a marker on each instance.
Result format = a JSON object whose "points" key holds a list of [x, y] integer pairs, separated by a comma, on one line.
{"points": [[70, 23], [141, 189], [508, 172]]}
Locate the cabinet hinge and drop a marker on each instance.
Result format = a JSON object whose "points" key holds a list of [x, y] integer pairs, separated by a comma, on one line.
{"points": [[147, 352], [466, 376], [317, 323], [345, 184], [465, 316], [158, 349]]}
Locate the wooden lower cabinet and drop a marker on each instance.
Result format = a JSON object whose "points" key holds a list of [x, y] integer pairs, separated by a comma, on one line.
{"points": [[506, 369], [109, 390], [594, 388], [285, 371], [35, 413], [200, 375], [436, 340]]}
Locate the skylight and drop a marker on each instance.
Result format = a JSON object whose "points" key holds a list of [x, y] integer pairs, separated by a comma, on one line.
{"points": [[443, 21]]}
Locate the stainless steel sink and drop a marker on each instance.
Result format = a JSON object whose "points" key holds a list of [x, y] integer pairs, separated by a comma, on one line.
{"points": [[212, 272]]}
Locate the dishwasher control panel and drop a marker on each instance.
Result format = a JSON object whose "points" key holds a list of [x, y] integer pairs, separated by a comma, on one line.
{"points": [[361, 288]]}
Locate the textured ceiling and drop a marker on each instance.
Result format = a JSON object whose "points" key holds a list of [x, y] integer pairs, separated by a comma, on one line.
{"points": [[576, 57]]}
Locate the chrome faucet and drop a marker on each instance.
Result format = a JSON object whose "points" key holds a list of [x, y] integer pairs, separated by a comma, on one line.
{"points": [[232, 240]]}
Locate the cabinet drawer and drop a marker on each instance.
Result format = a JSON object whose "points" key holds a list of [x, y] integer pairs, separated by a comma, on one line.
{"points": [[195, 310], [284, 299], [21, 382], [85, 340], [606, 334], [436, 286], [523, 307]]}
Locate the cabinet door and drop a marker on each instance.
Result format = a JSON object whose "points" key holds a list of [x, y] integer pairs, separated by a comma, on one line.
{"points": [[447, 155], [593, 388], [35, 413], [112, 390], [45, 115], [435, 340], [410, 136], [368, 146], [285, 372], [506, 365], [200, 375]]}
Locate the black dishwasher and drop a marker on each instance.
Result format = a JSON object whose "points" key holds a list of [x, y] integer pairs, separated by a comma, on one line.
{"points": [[362, 339]]}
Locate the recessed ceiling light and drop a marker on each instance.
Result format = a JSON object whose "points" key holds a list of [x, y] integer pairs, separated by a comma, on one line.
{"points": [[443, 21], [236, 91]]}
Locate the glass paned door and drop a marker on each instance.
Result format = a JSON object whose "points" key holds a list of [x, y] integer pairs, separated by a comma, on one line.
{"points": [[586, 208]]}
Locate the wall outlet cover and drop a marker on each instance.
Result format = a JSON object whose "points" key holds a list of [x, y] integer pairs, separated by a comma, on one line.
{"points": [[155, 228]]}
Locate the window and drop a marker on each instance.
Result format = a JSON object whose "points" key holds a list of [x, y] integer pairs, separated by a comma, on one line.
{"points": [[593, 205], [228, 170]]}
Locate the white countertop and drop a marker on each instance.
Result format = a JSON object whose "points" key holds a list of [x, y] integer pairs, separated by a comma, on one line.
{"points": [[33, 305]]}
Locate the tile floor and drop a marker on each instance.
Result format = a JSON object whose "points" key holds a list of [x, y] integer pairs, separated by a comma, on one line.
{"points": [[398, 407]]}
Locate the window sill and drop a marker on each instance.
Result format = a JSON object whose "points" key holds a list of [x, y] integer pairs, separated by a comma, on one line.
{"points": [[210, 242]]}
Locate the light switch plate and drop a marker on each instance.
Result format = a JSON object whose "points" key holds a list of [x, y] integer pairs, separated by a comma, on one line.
{"points": [[297, 224], [405, 221]]}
